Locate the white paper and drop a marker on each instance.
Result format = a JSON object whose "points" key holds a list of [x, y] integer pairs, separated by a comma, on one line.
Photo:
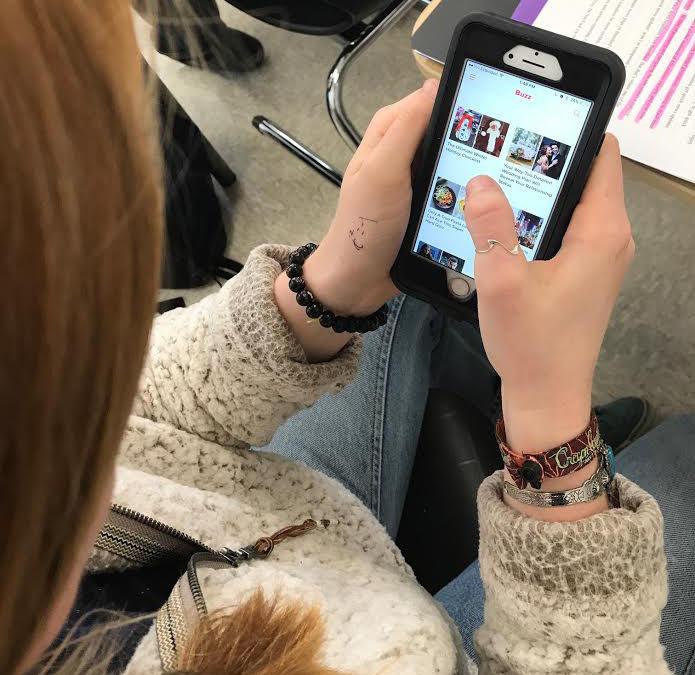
{"points": [[655, 116]]}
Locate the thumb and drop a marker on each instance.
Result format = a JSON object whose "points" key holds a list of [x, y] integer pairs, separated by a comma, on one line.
{"points": [[489, 217]]}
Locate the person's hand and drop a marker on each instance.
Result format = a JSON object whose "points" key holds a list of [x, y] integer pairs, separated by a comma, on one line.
{"points": [[349, 272], [543, 322]]}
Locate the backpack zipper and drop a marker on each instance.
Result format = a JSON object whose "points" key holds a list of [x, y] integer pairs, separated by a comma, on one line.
{"points": [[158, 525], [145, 540]]}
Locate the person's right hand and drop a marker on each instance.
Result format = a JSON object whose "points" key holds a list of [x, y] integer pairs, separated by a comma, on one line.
{"points": [[543, 322]]}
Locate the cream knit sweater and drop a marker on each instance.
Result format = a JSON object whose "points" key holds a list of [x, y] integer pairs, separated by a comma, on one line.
{"points": [[577, 598]]}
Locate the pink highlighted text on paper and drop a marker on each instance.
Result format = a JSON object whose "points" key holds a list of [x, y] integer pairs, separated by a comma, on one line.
{"points": [[664, 29], [639, 89], [656, 41], [671, 68]]}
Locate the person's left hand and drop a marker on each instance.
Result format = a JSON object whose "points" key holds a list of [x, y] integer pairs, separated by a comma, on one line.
{"points": [[349, 272]]}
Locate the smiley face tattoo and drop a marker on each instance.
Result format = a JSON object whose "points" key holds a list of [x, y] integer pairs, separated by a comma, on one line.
{"points": [[358, 233]]}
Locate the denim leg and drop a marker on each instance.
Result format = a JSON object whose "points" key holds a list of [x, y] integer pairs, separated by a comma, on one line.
{"points": [[367, 435], [464, 599], [662, 463]]}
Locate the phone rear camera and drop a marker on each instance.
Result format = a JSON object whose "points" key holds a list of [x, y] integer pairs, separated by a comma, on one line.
{"points": [[511, 56], [536, 53]]}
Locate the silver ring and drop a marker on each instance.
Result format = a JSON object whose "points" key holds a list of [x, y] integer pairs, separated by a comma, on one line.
{"points": [[493, 242]]}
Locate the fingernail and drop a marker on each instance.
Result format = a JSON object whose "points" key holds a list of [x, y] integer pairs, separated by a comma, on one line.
{"points": [[479, 184], [430, 86]]}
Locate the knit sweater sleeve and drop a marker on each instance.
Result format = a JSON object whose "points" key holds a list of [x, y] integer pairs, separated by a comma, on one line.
{"points": [[229, 369], [573, 598]]}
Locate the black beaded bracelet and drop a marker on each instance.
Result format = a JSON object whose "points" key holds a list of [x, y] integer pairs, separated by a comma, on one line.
{"points": [[315, 310]]}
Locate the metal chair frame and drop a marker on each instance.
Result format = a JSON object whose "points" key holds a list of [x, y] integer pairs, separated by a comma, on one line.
{"points": [[358, 40]]}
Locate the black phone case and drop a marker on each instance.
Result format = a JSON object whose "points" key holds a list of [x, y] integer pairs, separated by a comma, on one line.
{"points": [[571, 190]]}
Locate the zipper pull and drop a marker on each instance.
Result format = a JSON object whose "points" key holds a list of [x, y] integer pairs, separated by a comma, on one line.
{"points": [[265, 545]]}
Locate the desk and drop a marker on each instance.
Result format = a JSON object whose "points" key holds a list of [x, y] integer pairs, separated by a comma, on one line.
{"points": [[680, 188]]}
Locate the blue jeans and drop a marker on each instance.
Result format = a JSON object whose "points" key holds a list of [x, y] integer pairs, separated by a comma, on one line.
{"points": [[367, 436]]}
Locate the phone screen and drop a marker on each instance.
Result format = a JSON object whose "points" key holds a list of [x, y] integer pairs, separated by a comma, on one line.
{"points": [[521, 133]]}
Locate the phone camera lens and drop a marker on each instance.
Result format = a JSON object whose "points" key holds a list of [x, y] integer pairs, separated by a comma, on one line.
{"points": [[511, 56], [536, 53]]}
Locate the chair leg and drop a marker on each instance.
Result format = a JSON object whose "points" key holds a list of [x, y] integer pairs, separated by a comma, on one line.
{"points": [[334, 94], [334, 86], [218, 167], [307, 155]]}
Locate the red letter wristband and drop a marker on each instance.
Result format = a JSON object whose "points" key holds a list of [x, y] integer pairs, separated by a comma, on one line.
{"points": [[532, 469]]}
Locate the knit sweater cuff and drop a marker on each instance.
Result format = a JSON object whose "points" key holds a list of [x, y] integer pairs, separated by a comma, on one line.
{"points": [[596, 586], [262, 335]]}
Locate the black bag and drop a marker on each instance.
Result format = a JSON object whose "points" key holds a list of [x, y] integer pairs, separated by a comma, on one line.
{"points": [[195, 235]]}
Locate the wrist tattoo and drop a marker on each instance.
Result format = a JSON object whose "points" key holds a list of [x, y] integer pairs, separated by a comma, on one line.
{"points": [[357, 232]]}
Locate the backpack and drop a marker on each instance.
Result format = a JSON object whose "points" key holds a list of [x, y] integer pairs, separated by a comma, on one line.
{"points": [[195, 238]]}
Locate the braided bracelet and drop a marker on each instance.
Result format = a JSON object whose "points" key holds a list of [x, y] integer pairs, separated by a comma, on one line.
{"points": [[315, 310]]}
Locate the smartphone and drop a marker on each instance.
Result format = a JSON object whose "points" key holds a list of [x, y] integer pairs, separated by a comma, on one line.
{"points": [[524, 106]]}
